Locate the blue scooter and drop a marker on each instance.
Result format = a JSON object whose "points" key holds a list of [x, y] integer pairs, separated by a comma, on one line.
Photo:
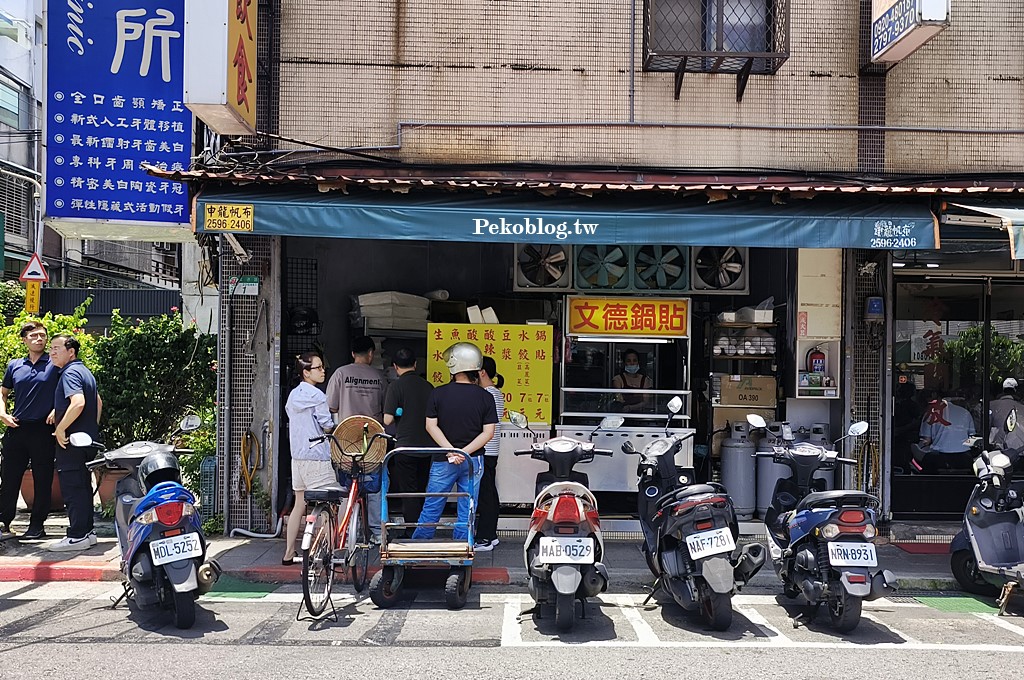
{"points": [[159, 529], [822, 542]]}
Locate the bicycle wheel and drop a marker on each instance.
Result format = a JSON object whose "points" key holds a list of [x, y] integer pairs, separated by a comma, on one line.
{"points": [[318, 562], [358, 545]]}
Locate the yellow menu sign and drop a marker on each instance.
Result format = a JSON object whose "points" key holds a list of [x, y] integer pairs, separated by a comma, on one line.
{"points": [[228, 217], [651, 317], [241, 64], [522, 353]]}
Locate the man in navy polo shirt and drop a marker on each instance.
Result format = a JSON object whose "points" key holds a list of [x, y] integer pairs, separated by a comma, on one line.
{"points": [[29, 434], [77, 407]]}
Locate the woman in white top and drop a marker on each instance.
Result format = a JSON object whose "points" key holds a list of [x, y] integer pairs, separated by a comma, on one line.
{"points": [[308, 417], [487, 515]]}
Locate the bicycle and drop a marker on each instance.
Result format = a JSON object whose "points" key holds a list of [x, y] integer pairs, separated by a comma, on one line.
{"points": [[328, 542]]}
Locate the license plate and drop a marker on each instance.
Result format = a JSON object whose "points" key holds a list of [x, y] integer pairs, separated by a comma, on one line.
{"points": [[176, 548], [557, 550], [852, 555], [710, 543]]}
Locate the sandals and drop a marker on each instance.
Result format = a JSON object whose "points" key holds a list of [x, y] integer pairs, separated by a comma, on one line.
{"points": [[287, 561]]}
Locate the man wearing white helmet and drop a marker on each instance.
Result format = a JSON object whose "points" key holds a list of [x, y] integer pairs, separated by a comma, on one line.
{"points": [[460, 415], [1004, 414]]}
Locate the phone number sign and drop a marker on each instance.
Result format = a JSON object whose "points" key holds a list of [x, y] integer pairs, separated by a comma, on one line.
{"points": [[522, 353]]}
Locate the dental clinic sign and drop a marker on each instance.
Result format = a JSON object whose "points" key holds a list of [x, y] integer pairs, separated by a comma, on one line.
{"points": [[900, 27], [114, 72]]}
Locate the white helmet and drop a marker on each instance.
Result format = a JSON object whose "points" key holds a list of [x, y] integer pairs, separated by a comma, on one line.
{"points": [[463, 356]]}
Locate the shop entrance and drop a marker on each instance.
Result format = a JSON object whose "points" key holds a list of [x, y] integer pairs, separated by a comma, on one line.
{"points": [[956, 340]]}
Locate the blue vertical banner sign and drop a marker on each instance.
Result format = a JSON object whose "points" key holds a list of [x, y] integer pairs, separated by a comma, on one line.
{"points": [[115, 79]]}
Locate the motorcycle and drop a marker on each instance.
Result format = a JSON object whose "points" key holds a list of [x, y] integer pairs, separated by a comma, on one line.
{"points": [[690, 532], [822, 542], [987, 555], [159, 529], [564, 546]]}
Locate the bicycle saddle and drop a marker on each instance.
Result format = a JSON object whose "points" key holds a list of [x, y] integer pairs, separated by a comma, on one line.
{"points": [[325, 495]]}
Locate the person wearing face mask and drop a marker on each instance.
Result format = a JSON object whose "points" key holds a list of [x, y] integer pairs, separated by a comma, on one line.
{"points": [[632, 377]]}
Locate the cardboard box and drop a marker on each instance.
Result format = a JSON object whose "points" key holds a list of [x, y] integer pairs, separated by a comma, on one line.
{"points": [[392, 297], [755, 391], [724, 415], [751, 315]]}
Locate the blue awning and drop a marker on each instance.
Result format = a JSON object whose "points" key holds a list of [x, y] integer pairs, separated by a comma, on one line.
{"points": [[624, 219]]}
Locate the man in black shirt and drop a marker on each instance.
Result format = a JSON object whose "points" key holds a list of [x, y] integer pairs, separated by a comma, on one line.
{"points": [[406, 404], [460, 415]]}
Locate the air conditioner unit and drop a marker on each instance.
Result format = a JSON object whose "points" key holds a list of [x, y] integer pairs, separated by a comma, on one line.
{"points": [[719, 270], [603, 268], [661, 268], [542, 268]]}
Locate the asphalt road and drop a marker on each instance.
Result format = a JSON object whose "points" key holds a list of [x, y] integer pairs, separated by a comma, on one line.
{"points": [[68, 630]]}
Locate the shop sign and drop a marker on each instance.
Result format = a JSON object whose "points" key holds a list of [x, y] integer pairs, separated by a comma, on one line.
{"points": [[229, 217], [32, 295], [927, 345], [521, 352], [114, 74], [220, 64], [244, 285], [900, 27], [648, 317]]}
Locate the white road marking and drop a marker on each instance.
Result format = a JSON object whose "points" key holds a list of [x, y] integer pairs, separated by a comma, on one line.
{"points": [[511, 633], [1005, 625], [644, 633], [775, 635], [875, 619]]}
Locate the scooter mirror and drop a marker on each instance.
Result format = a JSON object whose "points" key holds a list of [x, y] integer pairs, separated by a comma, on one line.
{"points": [[627, 447], [190, 423], [80, 439], [1001, 460], [857, 429], [675, 404], [611, 423], [519, 419], [756, 420]]}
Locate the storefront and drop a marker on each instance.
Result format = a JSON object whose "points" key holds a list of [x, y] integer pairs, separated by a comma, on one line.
{"points": [[548, 263]]}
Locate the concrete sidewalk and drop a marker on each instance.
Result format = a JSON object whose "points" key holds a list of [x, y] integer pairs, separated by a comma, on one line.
{"points": [[259, 560]]}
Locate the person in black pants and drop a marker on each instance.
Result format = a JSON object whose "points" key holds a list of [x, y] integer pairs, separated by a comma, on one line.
{"points": [[406, 405], [77, 407], [489, 505], [29, 435]]}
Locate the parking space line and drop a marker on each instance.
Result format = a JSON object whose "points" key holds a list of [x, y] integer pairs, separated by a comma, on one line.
{"points": [[627, 605], [1005, 625], [897, 633], [511, 633], [773, 634]]}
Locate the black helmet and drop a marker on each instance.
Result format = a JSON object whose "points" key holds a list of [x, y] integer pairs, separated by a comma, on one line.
{"points": [[303, 320], [159, 467]]}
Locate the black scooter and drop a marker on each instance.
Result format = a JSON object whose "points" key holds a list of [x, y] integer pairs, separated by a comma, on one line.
{"points": [[988, 553], [690, 532]]}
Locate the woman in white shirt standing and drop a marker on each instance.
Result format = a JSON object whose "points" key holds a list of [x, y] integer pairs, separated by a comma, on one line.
{"points": [[308, 417], [487, 516]]}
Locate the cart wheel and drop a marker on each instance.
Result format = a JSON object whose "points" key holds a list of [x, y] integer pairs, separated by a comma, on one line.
{"points": [[456, 588], [382, 590]]}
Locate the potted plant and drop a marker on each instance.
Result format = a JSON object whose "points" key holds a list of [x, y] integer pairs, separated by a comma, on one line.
{"points": [[28, 492]]}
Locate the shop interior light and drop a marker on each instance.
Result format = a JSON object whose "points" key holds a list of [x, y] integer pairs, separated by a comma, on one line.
{"points": [[932, 265], [623, 338], [899, 264]]}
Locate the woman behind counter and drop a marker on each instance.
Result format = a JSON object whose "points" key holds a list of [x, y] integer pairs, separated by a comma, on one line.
{"points": [[632, 377]]}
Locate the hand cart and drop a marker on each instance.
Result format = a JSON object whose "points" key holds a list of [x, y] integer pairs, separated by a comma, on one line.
{"points": [[397, 554]]}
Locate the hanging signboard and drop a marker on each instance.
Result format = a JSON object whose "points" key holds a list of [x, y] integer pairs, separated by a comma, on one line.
{"points": [[32, 295], [522, 354], [114, 73], [645, 317], [900, 27]]}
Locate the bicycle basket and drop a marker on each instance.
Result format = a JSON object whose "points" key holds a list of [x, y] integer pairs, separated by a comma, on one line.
{"points": [[349, 436]]}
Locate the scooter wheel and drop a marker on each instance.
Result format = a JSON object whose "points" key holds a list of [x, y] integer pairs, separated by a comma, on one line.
{"points": [[844, 610], [381, 591], [184, 609], [715, 608], [965, 570], [565, 611]]}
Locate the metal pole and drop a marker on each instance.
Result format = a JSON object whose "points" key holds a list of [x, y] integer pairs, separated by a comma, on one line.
{"points": [[36, 199]]}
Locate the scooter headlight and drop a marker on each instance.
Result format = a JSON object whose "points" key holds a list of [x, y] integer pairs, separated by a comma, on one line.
{"points": [[869, 531], [830, 531]]}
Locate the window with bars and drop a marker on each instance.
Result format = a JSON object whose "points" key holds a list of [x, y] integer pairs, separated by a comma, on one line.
{"points": [[709, 36]]}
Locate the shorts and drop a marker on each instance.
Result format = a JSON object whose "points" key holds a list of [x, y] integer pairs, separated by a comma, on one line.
{"points": [[313, 474]]}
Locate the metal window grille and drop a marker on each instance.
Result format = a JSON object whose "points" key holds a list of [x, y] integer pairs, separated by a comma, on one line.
{"points": [[716, 36]]}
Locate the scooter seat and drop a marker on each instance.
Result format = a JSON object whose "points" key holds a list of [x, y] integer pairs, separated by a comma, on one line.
{"points": [[325, 495], [687, 491], [835, 499]]}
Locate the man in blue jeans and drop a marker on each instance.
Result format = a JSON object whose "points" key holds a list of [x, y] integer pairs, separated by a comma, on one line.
{"points": [[460, 415]]}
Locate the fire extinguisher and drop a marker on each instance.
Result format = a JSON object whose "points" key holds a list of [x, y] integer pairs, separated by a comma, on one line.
{"points": [[816, 360]]}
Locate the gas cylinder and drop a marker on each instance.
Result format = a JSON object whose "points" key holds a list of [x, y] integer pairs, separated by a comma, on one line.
{"points": [[768, 471], [738, 469]]}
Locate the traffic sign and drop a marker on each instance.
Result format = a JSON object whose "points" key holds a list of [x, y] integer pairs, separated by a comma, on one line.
{"points": [[32, 296], [34, 270]]}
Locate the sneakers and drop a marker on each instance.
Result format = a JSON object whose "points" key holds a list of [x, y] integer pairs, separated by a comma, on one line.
{"points": [[68, 544], [33, 535], [5, 532], [485, 546], [92, 538]]}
